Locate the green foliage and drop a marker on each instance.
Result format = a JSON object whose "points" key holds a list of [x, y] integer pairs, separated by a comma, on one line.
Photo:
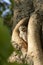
{"points": [[12, 5], [5, 46]]}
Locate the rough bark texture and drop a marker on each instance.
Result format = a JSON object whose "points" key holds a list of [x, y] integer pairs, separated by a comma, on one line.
{"points": [[24, 9]]}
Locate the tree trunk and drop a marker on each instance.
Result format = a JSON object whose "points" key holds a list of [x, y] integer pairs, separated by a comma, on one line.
{"points": [[22, 9]]}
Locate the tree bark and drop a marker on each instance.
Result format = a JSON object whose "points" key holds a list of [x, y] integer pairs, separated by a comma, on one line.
{"points": [[23, 9], [34, 42]]}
